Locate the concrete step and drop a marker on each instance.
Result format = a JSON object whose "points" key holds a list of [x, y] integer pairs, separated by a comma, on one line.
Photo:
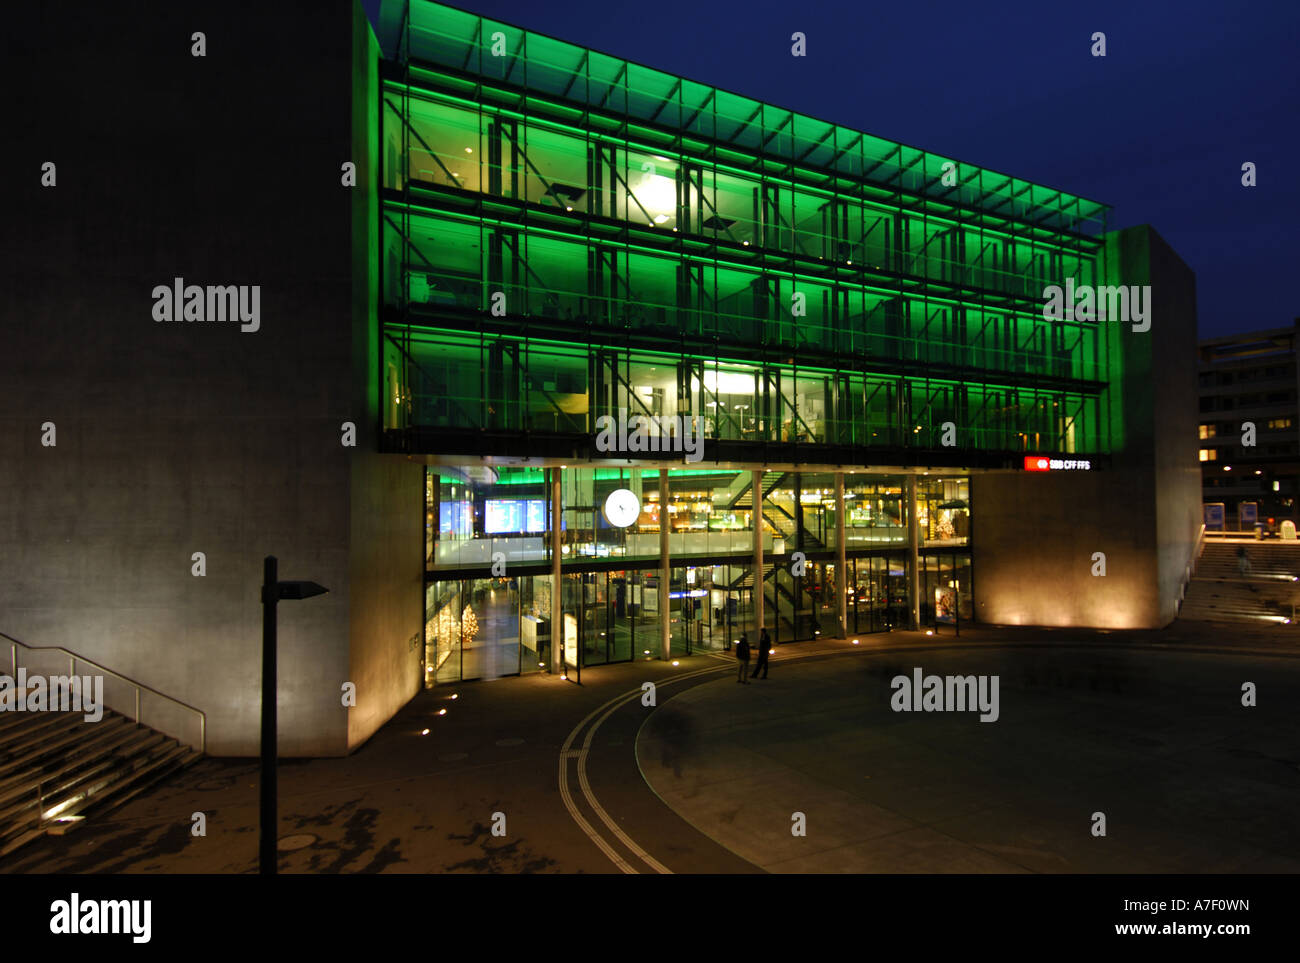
{"points": [[23, 798], [110, 784], [1261, 555], [15, 724], [75, 738], [1257, 567], [1237, 599], [45, 726], [56, 770], [108, 737], [175, 759]]}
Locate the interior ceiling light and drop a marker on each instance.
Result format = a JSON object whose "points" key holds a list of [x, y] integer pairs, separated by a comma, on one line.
{"points": [[657, 194]]}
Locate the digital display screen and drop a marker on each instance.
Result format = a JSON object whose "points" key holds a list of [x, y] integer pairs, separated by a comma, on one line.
{"points": [[509, 515], [537, 516], [454, 520]]}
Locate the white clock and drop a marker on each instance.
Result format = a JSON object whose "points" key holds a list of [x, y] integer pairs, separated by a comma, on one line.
{"points": [[622, 507]]}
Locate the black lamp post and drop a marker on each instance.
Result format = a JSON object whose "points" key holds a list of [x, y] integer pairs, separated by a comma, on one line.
{"points": [[273, 591]]}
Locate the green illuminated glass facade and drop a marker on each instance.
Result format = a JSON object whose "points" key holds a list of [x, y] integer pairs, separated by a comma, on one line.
{"points": [[565, 235]]}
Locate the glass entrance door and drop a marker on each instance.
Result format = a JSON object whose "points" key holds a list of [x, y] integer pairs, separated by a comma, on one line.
{"points": [[687, 604], [878, 601], [621, 627]]}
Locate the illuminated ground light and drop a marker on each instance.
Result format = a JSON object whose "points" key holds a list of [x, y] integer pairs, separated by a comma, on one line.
{"points": [[929, 631], [675, 662], [424, 732], [442, 712], [855, 641], [64, 824], [455, 695]]}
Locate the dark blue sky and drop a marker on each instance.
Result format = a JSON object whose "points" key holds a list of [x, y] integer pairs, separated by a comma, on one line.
{"points": [[1159, 128]]}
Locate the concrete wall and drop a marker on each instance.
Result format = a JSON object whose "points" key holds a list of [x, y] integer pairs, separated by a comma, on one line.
{"points": [[1168, 374], [1034, 535], [174, 438], [387, 612], [387, 507]]}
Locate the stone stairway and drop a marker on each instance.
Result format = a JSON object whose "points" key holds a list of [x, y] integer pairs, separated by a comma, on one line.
{"points": [[56, 769], [1269, 591]]}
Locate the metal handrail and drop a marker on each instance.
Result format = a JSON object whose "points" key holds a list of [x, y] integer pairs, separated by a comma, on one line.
{"points": [[1190, 569], [74, 658]]}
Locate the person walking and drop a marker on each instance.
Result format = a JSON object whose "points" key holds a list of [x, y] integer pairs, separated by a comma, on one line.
{"points": [[1243, 561], [764, 647], [742, 658]]}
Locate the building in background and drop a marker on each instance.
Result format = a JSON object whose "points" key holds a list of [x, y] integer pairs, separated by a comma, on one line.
{"points": [[1250, 379], [589, 363]]}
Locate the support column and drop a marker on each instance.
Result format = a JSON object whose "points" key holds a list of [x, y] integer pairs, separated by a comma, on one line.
{"points": [[841, 561], [913, 554], [756, 500], [557, 586], [665, 572]]}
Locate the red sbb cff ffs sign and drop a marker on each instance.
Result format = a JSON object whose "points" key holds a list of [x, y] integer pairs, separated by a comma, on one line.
{"points": [[1042, 463]]}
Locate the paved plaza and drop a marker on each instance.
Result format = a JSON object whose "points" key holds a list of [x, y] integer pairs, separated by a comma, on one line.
{"points": [[1146, 728]]}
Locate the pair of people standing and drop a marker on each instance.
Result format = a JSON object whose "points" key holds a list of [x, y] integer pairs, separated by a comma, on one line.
{"points": [[742, 656]]}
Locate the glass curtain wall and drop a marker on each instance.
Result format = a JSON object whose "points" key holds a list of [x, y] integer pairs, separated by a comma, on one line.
{"points": [[500, 622], [445, 378], [449, 262], [479, 516], [437, 141]]}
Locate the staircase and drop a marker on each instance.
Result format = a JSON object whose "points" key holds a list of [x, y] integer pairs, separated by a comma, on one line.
{"points": [[739, 496], [56, 768], [1267, 593]]}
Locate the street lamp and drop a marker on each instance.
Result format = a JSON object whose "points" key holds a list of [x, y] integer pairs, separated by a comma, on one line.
{"points": [[273, 591]]}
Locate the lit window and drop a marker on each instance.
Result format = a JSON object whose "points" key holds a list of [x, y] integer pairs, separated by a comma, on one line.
{"points": [[1208, 431], [1209, 454]]}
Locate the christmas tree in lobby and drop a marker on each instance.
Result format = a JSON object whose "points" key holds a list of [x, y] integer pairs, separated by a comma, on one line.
{"points": [[468, 625]]}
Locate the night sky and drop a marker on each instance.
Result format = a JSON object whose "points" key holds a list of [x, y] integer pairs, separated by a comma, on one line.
{"points": [[1158, 128]]}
